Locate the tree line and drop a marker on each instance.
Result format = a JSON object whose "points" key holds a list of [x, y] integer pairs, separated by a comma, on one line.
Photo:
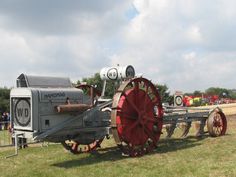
{"points": [[221, 92], [4, 100], [164, 92], [111, 86]]}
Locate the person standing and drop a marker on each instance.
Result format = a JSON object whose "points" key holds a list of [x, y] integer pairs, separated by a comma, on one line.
{"points": [[5, 122], [1, 122]]}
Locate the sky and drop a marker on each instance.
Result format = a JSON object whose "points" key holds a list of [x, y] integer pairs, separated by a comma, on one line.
{"points": [[186, 44]]}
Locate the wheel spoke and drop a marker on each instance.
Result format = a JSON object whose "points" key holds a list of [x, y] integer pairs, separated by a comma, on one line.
{"points": [[128, 129], [150, 134], [126, 115], [131, 103], [217, 124], [136, 88], [149, 119], [145, 99], [217, 130], [74, 146]]}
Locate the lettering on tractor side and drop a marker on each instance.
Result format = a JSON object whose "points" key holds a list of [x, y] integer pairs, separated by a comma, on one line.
{"points": [[54, 95]]}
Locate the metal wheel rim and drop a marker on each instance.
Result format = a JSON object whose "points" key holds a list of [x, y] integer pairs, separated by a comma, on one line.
{"points": [[217, 123], [132, 106], [76, 148]]}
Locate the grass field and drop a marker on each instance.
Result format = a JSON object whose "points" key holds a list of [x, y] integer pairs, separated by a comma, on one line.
{"points": [[174, 157], [5, 139]]}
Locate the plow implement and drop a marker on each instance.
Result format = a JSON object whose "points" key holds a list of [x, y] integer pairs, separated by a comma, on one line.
{"points": [[183, 118], [81, 118]]}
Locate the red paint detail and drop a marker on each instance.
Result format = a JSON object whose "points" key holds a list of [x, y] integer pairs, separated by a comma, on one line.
{"points": [[138, 130]]}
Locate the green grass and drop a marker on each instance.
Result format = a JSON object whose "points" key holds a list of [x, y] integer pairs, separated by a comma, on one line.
{"points": [[174, 157], [5, 138]]}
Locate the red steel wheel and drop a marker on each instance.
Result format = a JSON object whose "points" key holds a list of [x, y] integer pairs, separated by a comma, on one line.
{"points": [[76, 148], [137, 117], [217, 123]]}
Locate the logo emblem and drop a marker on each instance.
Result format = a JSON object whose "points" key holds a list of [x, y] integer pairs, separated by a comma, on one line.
{"points": [[22, 112], [178, 100]]}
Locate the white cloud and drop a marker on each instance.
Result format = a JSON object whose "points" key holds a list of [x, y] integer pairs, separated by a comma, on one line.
{"points": [[174, 42], [60, 38], [188, 45], [194, 34]]}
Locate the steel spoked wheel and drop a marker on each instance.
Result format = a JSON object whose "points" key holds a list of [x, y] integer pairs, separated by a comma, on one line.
{"points": [[136, 117], [216, 123], [77, 148]]}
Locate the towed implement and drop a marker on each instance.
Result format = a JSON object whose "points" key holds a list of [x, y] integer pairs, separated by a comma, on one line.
{"points": [[51, 109]]}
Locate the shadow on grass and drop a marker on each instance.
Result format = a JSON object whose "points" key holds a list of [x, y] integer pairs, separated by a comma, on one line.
{"points": [[114, 154], [169, 145], [101, 155]]}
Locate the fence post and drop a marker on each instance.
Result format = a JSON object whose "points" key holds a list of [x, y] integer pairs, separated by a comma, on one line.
{"points": [[16, 146]]}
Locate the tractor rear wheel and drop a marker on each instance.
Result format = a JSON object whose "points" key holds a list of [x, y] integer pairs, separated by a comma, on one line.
{"points": [[136, 117]]}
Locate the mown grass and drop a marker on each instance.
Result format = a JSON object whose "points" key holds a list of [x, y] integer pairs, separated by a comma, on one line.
{"points": [[204, 156], [5, 138]]}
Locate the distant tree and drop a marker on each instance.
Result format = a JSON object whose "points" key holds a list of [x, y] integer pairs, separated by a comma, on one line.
{"points": [[4, 100], [111, 86], [165, 94], [232, 94], [188, 94], [197, 93], [221, 92]]}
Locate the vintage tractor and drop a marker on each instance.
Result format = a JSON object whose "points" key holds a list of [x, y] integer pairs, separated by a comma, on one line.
{"points": [[51, 109]]}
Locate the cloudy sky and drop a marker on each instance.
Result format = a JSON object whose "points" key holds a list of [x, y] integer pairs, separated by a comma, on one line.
{"points": [[187, 44]]}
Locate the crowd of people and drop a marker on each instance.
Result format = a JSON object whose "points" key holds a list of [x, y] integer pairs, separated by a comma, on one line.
{"points": [[4, 121], [5, 125]]}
